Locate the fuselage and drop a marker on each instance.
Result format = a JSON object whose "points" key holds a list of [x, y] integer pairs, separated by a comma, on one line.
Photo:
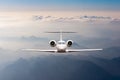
{"points": [[61, 46]]}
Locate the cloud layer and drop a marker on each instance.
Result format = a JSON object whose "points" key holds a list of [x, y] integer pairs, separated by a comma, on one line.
{"points": [[91, 29], [75, 19]]}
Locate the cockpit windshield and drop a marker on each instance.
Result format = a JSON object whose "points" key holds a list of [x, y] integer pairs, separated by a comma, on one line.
{"points": [[61, 42]]}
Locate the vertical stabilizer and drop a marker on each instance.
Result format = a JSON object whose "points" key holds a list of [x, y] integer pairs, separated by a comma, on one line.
{"points": [[61, 39]]}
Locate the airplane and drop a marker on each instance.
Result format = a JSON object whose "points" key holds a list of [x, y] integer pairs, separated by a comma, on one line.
{"points": [[61, 46]]}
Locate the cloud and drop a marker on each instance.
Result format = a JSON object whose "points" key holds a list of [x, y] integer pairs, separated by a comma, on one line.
{"points": [[95, 17], [73, 19], [8, 19], [38, 17], [34, 25], [23, 38], [115, 21]]}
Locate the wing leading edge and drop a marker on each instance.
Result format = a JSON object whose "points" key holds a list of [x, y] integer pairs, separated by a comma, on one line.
{"points": [[81, 50], [68, 50], [39, 50]]}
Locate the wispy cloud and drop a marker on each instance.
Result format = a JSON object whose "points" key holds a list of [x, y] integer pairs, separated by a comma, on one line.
{"points": [[87, 19], [115, 21]]}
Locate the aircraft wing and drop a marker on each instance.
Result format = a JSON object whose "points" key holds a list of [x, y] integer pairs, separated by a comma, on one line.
{"points": [[39, 50], [68, 50], [81, 50]]}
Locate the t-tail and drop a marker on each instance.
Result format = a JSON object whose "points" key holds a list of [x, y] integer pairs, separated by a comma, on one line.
{"points": [[61, 33]]}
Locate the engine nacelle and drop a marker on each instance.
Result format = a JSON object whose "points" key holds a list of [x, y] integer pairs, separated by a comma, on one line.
{"points": [[52, 43], [69, 43]]}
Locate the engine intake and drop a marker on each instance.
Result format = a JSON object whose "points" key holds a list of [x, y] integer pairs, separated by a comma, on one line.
{"points": [[52, 43], [69, 43]]}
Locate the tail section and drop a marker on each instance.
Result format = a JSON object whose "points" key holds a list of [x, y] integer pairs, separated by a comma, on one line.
{"points": [[61, 37], [61, 33]]}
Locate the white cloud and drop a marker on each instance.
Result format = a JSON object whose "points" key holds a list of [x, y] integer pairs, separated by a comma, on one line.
{"points": [[93, 19], [115, 21], [18, 25]]}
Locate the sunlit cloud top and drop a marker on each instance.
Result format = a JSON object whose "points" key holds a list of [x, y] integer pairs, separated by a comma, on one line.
{"points": [[60, 5]]}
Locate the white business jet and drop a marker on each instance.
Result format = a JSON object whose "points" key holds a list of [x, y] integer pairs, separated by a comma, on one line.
{"points": [[61, 46]]}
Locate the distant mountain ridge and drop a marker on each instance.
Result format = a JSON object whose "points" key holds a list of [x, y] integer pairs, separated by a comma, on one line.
{"points": [[109, 53], [56, 68]]}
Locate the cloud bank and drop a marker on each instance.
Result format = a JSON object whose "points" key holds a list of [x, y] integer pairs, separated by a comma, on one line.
{"points": [[85, 18]]}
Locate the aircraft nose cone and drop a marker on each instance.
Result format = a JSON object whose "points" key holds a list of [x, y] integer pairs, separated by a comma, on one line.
{"points": [[61, 47]]}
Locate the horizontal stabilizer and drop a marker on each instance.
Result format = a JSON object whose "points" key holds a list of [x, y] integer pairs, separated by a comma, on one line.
{"points": [[61, 32]]}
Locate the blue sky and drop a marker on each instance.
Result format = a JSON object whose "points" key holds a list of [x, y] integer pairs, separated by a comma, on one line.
{"points": [[63, 4]]}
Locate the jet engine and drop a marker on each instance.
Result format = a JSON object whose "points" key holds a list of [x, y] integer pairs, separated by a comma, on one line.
{"points": [[52, 43], [69, 43]]}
